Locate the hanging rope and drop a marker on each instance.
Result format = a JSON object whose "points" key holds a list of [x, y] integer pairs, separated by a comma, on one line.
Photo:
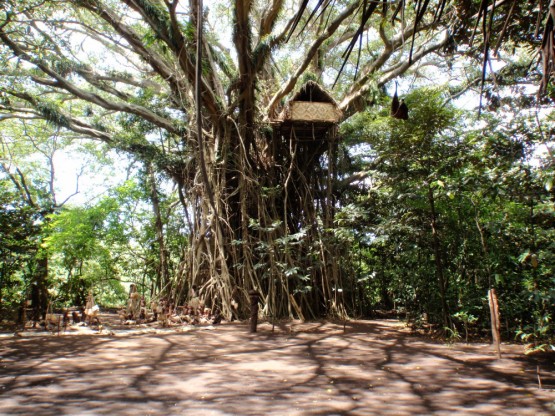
{"points": [[198, 98]]}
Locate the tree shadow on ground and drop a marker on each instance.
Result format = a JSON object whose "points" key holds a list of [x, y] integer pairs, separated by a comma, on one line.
{"points": [[322, 368]]}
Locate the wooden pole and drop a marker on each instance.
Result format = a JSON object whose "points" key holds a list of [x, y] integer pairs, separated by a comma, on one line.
{"points": [[23, 314], [494, 312]]}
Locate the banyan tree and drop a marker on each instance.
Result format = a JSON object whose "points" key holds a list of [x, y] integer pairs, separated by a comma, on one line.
{"points": [[277, 216], [229, 117]]}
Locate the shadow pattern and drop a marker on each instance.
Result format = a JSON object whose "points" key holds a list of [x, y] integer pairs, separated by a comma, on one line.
{"points": [[362, 368]]}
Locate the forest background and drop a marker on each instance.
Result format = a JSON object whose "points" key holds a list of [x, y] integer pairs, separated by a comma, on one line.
{"points": [[182, 102]]}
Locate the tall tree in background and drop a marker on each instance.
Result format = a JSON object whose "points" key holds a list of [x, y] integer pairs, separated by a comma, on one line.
{"points": [[28, 149], [128, 73]]}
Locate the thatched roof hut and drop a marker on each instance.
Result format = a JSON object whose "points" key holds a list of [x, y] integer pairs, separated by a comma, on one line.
{"points": [[311, 104]]}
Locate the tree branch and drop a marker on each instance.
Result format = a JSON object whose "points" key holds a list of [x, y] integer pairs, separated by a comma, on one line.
{"points": [[359, 90], [290, 84], [156, 61], [73, 123], [167, 29], [66, 85], [269, 18]]}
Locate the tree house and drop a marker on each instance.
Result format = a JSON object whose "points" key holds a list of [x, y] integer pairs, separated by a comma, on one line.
{"points": [[304, 151], [306, 128], [309, 115]]}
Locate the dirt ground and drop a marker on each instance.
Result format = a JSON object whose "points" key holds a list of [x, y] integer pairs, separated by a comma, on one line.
{"points": [[366, 368]]}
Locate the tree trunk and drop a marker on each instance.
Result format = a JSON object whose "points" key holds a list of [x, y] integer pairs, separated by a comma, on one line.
{"points": [[162, 278], [484, 245], [438, 260], [39, 294]]}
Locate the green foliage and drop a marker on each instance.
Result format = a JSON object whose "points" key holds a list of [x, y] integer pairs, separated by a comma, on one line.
{"points": [[452, 335], [494, 216], [104, 246], [467, 320], [19, 234]]}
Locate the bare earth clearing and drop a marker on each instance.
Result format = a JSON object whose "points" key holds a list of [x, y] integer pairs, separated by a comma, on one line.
{"points": [[373, 368]]}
